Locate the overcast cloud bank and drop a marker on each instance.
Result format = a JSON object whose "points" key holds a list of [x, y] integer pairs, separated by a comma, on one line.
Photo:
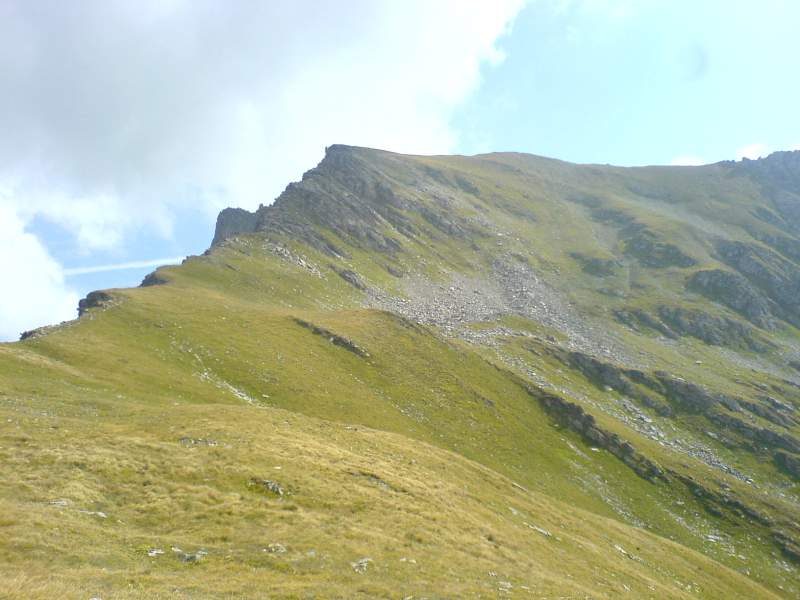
{"points": [[116, 116]]}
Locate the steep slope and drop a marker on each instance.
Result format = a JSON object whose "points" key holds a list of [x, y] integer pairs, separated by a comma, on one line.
{"points": [[488, 375]]}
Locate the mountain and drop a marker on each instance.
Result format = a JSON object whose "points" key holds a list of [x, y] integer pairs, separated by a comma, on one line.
{"points": [[429, 376]]}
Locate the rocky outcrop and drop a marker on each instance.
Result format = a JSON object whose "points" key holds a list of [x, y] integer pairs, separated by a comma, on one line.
{"points": [[602, 213], [790, 547], [728, 413], [574, 417], [233, 221], [94, 299], [734, 291], [715, 502], [711, 329], [789, 463], [638, 319], [343, 196], [768, 271], [674, 322], [267, 485], [777, 413], [784, 244], [639, 241], [350, 277], [607, 375], [687, 396], [781, 169], [595, 265], [725, 504], [335, 339], [601, 373], [153, 279], [760, 437], [644, 245], [365, 199], [779, 177], [40, 331]]}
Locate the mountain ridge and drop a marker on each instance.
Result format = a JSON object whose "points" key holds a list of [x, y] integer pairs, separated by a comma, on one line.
{"points": [[548, 361], [785, 163]]}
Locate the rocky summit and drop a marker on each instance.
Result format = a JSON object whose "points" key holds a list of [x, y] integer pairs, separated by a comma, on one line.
{"points": [[429, 377]]}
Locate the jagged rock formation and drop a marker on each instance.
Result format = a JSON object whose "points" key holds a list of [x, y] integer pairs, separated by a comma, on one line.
{"points": [[96, 299], [233, 221], [153, 278]]}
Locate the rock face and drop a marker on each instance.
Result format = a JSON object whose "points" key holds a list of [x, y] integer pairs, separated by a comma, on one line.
{"points": [[152, 279], [93, 300], [650, 251], [639, 241], [713, 330], [674, 322], [638, 319], [574, 417], [735, 292], [777, 277], [729, 414], [352, 198], [629, 382], [669, 396], [779, 176], [233, 221]]}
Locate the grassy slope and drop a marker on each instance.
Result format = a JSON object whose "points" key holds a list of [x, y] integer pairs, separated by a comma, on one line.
{"points": [[93, 414]]}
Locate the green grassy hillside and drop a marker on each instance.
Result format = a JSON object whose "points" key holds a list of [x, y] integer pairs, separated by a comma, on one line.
{"points": [[491, 376]]}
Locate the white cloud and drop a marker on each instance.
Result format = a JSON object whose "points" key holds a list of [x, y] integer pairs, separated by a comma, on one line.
{"points": [[116, 116], [752, 151], [34, 290], [133, 264], [688, 161]]}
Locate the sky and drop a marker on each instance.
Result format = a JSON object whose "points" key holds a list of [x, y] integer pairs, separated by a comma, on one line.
{"points": [[126, 126]]}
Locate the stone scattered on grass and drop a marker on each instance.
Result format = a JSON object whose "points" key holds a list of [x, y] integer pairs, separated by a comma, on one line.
{"points": [[190, 441], [189, 557], [271, 486], [360, 566], [624, 552], [538, 529], [94, 513]]}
